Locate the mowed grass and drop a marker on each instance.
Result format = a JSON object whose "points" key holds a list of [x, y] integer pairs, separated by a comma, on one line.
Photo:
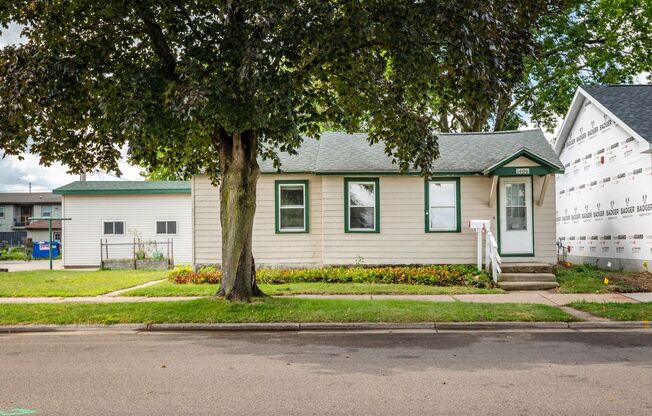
{"points": [[72, 283], [586, 279], [168, 288], [274, 310], [617, 311]]}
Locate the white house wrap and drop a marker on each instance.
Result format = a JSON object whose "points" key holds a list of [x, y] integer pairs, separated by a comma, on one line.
{"points": [[604, 198]]}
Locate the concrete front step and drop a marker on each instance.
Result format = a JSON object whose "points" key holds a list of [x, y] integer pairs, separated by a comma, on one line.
{"points": [[527, 277], [528, 285], [526, 268]]}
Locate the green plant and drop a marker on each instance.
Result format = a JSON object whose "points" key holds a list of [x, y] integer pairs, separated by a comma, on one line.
{"points": [[435, 275]]}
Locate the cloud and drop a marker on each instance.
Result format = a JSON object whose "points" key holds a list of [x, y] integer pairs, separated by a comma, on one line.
{"points": [[15, 175]]}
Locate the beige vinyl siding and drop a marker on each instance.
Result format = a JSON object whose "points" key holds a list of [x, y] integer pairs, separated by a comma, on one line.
{"points": [[82, 234], [270, 248], [402, 238], [545, 227], [521, 161]]}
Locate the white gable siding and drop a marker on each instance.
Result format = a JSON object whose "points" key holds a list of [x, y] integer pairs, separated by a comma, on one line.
{"points": [[402, 238], [604, 199], [82, 234]]}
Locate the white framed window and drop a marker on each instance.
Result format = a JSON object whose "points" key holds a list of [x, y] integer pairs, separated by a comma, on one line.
{"points": [[362, 199], [56, 236], [166, 227], [114, 227], [2, 212], [292, 208], [443, 205], [46, 210]]}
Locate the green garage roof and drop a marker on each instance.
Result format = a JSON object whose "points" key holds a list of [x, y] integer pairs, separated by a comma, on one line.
{"points": [[124, 187]]}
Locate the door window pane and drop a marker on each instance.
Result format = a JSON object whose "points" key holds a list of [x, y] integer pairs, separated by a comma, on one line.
{"points": [[362, 206], [292, 207], [515, 207], [443, 205]]}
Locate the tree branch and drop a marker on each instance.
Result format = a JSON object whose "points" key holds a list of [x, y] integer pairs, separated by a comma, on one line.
{"points": [[160, 44]]}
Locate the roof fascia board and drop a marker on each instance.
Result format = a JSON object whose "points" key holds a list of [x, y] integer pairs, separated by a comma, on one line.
{"points": [[119, 191], [605, 110], [571, 115], [526, 153]]}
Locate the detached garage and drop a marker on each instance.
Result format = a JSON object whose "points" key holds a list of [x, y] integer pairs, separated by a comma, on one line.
{"points": [[118, 219]]}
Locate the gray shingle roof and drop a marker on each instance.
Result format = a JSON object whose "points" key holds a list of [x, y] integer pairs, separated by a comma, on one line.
{"points": [[124, 187], [632, 104], [26, 198], [459, 153]]}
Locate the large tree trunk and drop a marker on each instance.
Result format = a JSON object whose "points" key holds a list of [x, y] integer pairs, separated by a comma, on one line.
{"points": [[239, 174]]}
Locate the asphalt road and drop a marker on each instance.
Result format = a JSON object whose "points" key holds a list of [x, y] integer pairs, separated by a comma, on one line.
{"points": [[517, 373]]}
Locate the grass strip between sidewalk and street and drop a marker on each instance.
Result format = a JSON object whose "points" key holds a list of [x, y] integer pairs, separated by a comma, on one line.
{"points": [[276, 310], [66, 283], [168, 288], [617, 311]]}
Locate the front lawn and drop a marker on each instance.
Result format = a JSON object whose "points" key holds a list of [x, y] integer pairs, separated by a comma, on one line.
{"points": [[275, 310], [617, 311], [590, 279], [168, 288], [72, 283]]}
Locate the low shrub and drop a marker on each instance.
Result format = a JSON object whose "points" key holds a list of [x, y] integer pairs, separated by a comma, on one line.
{"points": [[436, 275], [13, 253]]}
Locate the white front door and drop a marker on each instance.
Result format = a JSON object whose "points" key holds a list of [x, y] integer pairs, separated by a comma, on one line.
{"points": [[516, 233]]}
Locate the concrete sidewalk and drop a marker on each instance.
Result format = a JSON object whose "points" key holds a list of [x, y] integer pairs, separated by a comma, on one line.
{"points": [[532, 297]]}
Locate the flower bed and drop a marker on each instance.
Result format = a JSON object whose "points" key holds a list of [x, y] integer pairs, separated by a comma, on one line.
{"points": [[435, 275]]}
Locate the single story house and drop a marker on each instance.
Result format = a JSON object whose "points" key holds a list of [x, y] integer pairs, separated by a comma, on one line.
{"points": [[39, 230], [148, 216], [604, 197], [340, 201]]}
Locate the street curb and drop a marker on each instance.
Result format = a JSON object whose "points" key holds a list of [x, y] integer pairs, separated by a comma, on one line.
{"points": [[331, 326], [496, 326]]}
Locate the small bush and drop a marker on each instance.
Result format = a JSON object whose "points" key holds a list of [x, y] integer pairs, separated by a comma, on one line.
{"points": [[13, 253], [437, 275]]}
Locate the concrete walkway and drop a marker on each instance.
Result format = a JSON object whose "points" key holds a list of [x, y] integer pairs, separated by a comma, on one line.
{"points": [[533, 297]]}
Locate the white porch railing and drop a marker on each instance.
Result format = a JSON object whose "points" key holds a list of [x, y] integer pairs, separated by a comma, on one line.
{"points": [[492, 258]]}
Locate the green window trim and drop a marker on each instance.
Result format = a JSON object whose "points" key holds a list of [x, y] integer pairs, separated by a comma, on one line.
{"points": [[306, 205], [458, 204], [376, 182]]}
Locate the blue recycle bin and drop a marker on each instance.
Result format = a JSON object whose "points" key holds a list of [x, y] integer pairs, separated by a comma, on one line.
{"points": [[42, 249]]}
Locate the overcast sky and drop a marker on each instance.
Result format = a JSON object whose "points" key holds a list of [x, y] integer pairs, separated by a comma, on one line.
{"points": [[15, 175]]}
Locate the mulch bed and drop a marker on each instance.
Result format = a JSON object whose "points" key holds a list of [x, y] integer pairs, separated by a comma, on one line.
{"points": [[631, 282]]}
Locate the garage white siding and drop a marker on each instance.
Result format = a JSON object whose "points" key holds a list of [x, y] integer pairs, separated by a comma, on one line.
{"points": [[139, 212]]}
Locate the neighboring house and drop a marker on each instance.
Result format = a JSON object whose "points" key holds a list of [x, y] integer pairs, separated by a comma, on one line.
{"points": [[122, 212], [39, 230], [604, 198], [340, 201], [16, 208]]}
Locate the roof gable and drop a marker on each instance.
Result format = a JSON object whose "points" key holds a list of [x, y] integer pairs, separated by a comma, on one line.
{"points": [[628, 105], [543, 166]]}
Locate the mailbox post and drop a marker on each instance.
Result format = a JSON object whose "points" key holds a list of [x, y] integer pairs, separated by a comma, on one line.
{"points": [[480, 227]]}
